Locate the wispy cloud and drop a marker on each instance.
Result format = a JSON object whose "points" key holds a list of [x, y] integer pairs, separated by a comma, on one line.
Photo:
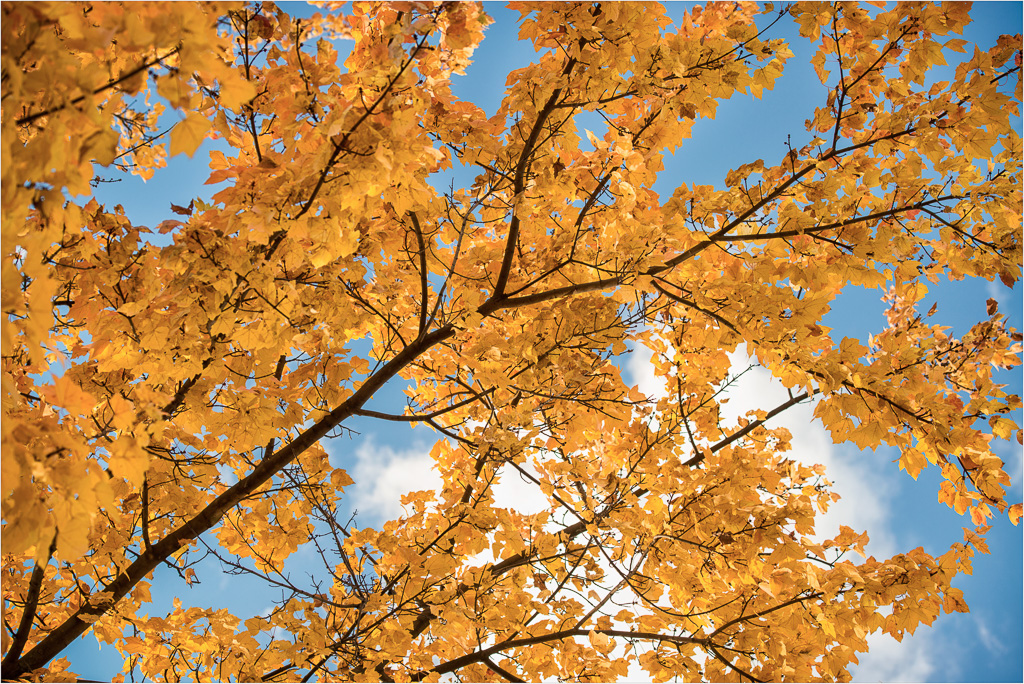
{"points": [[1013, 458], [1001, 294], [915, 659], [990, 640]]}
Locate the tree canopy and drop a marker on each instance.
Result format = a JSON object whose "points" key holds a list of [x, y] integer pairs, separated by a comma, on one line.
{"points": [[170, 390]]}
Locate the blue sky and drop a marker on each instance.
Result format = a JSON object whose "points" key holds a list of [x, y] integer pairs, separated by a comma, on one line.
{"points": [[900, 514]]}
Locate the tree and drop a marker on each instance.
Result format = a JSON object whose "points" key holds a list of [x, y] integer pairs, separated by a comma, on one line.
{"points": [[169, 389]]}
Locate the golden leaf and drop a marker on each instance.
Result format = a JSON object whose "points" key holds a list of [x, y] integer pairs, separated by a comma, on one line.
{"points": [[188, 134]]}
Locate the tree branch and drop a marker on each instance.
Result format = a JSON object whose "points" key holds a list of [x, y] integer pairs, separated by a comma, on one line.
{"points": [[751, 426], [424, 417], [343, 143], [423, 273], [28, 614], [692, 305], [518, 185], [74, 626], [110, 84]]}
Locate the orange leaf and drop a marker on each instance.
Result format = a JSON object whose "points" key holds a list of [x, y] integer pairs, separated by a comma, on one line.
{"points": [[189, 134]]}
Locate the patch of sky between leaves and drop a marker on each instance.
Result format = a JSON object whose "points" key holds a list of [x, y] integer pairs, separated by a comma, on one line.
{"points": [[183, 178]]}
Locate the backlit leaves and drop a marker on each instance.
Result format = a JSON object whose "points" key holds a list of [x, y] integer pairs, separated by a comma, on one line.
{"points": [[162, 383], [189, 134]]}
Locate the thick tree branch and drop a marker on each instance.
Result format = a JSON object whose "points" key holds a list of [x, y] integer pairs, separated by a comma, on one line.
{"points": [[519, 185], [28, 613], [74, 626], [424, 292]]}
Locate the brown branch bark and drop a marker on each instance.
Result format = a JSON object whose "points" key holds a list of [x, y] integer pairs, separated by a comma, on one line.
{"points": [[58, 639], [519, 184], [697, 458], [28, 614], [423, 272]]}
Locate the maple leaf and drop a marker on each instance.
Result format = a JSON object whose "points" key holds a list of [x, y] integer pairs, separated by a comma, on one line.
{"points": [[188, 134], [184, 211]]}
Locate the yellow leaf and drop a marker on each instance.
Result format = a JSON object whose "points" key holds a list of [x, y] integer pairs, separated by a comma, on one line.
{"points": [[599, 641], [141, 592], [68, 395], [100, 147], [73, 525], [340, 479], [128, 461], [189, 134], [124, 412], [235, 92], [1015, 513], [1002, 427]]}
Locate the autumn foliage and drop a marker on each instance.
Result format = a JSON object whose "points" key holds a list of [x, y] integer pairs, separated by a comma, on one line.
{"points": [[163, 383]]}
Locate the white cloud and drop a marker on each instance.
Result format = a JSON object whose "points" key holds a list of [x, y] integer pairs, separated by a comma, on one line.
{"points": [[865, 493], [1013, 463], [863, 480], [383, 475], [641, 372], [227, 474], [514, 491], [912, 660]]}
